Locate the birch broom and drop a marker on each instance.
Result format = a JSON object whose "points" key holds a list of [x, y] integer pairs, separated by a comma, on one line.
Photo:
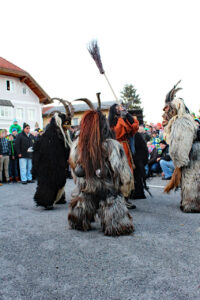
{"points": [[93, 49]]}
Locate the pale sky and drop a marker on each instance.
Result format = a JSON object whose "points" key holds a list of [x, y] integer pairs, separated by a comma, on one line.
{"points": [[148, 43]]}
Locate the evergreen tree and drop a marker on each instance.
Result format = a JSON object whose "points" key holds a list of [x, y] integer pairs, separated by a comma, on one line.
{"points": [[130, 97]]}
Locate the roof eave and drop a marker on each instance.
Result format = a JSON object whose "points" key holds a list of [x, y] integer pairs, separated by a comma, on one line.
{"points": [[30, 82]]}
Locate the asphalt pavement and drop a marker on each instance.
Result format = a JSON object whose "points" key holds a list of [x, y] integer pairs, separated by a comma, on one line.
{"points": [[41, 258]]}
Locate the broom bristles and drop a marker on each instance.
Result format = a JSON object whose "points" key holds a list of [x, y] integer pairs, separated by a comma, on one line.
{"points": [[175, 181], [93, 48]]}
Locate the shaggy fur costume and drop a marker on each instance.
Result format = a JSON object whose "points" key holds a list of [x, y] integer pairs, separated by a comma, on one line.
{"points": [[184, 149], [50, 159], [103, 193]]}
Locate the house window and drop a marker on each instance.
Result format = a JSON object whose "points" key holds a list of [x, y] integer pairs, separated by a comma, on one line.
{"points": [[31, 114], [20, 114], [24, 90], [9, 85], [6, 112], [74, 121]]}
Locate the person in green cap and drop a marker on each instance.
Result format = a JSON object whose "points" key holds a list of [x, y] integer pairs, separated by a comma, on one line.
{"points": [[15, 125]]}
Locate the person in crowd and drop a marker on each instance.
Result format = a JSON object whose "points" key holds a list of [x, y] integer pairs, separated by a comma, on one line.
{"points": [[140, 158], [24, 142], [123, 126], [5, 152], [159, 130], [198, 128], [150, 147], [166, 162], [13, 163], [16, 126], [198, 122], [155, 140], [153, 165], [150, 129], [144, 133]]}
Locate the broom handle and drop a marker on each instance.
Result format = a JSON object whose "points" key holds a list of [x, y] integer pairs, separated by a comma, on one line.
{"points": [[111, 88]]}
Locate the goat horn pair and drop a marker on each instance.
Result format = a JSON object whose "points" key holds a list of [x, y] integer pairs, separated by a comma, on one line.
{"points": [[89, 103], [170, 96], [66, 104]]}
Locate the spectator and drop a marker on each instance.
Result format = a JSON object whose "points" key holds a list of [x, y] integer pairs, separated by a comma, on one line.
{"points": [[144, 132], [159, 131], [150, 147], [5, 151], [198, 128], [13, 164], [197, 122], [155, 141], [15, 125], [24, 142], [166, 162], [153, 163]]}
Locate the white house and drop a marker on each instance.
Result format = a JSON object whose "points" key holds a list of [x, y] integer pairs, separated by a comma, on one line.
{"points": [[21, 97]]}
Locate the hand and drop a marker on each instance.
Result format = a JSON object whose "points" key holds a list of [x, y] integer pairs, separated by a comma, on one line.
{"points": [[19, 155], [123, 113], [1, 156], [158, 159]]}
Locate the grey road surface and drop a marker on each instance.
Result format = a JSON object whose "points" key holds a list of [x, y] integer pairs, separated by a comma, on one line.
{"points": [[40, 258]]}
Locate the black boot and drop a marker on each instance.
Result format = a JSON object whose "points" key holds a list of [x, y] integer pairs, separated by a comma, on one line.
{"points": [[129, 205]]}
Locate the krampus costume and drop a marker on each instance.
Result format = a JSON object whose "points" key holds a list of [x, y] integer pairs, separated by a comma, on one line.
{"points": [[102, 176], [50, 159], [184, 149]]}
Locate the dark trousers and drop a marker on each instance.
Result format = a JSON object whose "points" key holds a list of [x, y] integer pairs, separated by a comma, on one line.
{"points": [[13, 168]]}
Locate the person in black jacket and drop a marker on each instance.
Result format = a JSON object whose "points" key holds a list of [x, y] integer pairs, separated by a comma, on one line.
{"points": [[23, 146], [166, 162], [153, 165], [4, 156], [140, 160]]}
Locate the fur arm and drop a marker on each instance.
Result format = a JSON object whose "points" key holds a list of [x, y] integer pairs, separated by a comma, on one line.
{"points": [[181, 140], [122, 174]]}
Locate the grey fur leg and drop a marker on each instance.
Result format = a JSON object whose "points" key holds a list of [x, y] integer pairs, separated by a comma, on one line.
{"points": [[115, 218], [190, 183], [81, 213]]}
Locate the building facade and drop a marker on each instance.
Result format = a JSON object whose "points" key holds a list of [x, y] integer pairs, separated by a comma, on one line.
{"points": [[21, 97]]}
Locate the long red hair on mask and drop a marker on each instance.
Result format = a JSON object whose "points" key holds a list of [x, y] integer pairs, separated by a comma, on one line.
{"points": [[90, 144]]}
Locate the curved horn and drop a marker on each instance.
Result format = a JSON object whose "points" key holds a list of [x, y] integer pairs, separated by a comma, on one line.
{"points": [[170, 96], [174, 92], [71, 108], [66, 106], [87, 101], [177, 84], [99, 100]]}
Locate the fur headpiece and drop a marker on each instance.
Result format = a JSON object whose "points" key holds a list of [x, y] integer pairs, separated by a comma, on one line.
{"points": [[94, 129], [181, 110], [63, 121]]}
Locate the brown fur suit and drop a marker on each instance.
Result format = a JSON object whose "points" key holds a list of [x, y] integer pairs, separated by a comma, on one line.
{"points": [[102, 193], [184, 149]]}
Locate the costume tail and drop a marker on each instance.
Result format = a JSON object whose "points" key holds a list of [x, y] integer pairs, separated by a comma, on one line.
{"points": [[175, 180]]}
